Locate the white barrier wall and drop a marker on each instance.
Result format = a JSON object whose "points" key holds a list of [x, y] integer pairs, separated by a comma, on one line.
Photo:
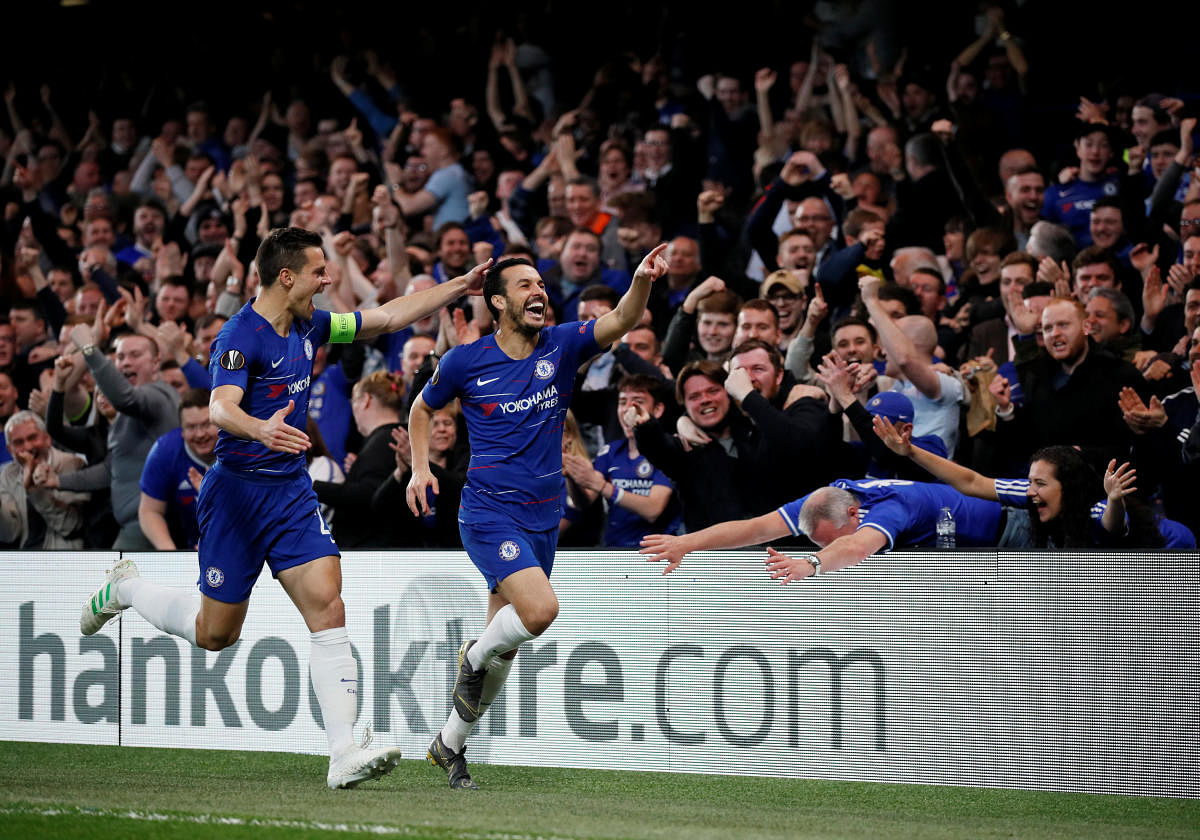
{"points": [[1046, 671]]}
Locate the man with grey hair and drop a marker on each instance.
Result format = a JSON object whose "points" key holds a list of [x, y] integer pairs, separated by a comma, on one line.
{"points": [[1110, 320], [908, 259], [1047, 239], [851, 520], [32, 516]]}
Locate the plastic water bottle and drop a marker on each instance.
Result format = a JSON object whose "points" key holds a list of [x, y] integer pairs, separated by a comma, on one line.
{"points": [[945, 529]]}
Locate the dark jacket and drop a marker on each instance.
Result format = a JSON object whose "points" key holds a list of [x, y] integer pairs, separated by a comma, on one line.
{"points": [[1079, 410], [355, 525]]}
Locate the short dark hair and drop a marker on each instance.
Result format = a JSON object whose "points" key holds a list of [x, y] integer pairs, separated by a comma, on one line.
{"points": [[891, 291], [445, 228], [1038, 288], [702, 367], [758, 344], [493, 282], [1020, 258], [931, 272], [194, 398], [283, 248], [1095, 255], [1108, 201], [642, 382], [761, 305], [585, 181], [857, 219], [726, 302], [852, 321], [599, 291]]}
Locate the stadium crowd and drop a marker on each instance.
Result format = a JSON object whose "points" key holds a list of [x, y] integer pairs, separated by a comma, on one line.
{"points": [[865, 259]]}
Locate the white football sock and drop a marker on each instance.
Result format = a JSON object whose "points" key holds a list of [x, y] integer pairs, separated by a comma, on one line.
{"points": [[503, 633], [456, 730], [168, 608], [334, 674]]}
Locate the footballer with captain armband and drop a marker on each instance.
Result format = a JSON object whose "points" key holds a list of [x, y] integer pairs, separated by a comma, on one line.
{"points": [[257, 505]]}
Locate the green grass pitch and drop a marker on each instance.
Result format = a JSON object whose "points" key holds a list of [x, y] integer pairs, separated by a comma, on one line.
{"points": [[63, 790]]}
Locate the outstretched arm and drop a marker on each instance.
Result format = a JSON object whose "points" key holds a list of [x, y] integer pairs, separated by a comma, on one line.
{"points": [[733, 534], [899, 347], [963, 479], [612, 325], [839, 554], [399, 312]]}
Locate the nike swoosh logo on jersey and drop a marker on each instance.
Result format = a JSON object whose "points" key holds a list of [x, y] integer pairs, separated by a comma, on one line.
{"points": [[482, 382], [277, 364]]}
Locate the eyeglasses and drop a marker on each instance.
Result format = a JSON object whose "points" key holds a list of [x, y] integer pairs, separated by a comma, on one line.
{"points": [[656, 142], [1189, 222]]}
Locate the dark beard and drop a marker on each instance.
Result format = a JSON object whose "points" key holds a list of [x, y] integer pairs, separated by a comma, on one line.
{"points": [[517, 317]]}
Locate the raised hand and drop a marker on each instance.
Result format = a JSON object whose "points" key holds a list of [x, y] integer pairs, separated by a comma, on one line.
{"points": [[278, 436], [895, 440], [653, 265], [1001, 390], [1119, 481], [707, 204], [833, 372], [764, 80], [474, 278], [868, 287], [1142, 256], [402, 446]]}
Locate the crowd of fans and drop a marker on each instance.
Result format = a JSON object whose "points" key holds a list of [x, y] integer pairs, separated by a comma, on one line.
{"points": [[850, 238]]}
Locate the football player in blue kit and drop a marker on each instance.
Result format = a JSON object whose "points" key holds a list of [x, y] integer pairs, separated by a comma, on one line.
{"points": [[850, 520], [257, 504], [515, 385]]}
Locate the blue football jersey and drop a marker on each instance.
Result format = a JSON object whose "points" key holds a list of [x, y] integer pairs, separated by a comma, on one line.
{"points": [[1071, 204], [514, 410], [165, 478], [633, 475], [271, 369], [906, 512]]}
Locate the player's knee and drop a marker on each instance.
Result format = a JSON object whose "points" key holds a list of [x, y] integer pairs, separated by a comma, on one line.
{"points": [[540, 616], [216, 640]]}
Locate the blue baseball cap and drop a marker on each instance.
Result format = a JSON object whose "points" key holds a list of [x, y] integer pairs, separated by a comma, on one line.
{"points": [[893, 405]]}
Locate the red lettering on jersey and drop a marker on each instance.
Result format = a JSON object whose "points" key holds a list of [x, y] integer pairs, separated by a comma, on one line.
{"points": [[488, 408], [274, 391]]}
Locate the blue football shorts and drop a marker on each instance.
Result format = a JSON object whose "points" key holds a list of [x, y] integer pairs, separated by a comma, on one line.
{"points": [[499, 548], [247, 519]]}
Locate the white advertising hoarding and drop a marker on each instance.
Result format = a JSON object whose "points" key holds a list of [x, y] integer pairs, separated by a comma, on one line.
{"points": [[1046, 671]]}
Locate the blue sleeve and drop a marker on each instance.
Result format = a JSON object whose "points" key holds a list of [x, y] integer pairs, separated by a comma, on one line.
{"points": [[196, 375], [440, 184], [380, 123], [320, 322], [1050, 204], [233, 353], [889, 516], [1013, 492], [108, 286], [481, 230], [579, 341], [791, 514], [443, 386], [660, 479], [156, 472]]}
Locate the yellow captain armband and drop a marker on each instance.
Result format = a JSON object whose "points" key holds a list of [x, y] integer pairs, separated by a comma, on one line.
{"points": [[342, 327]]}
